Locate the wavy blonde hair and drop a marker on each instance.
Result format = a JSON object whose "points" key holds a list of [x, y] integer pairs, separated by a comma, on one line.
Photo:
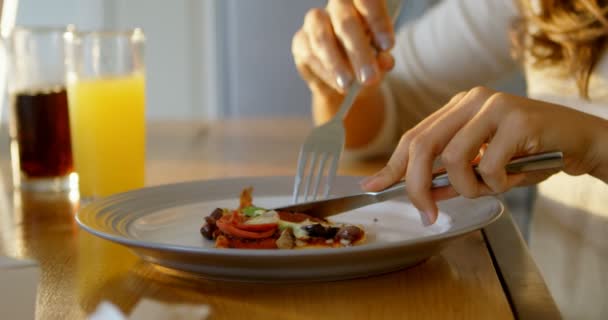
{"points": [[569, 33]]}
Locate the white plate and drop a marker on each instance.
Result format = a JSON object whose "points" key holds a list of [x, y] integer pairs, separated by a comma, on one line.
{"points": [[161, 224]]}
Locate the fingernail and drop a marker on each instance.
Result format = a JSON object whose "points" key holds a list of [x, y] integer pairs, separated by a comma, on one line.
{"points": [[384, 41], [366, 73], [343, 80], [365, 181], [369, 181], [426, 220]]}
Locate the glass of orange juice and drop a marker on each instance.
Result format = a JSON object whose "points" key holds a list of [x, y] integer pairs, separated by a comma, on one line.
{"points": [[106, 94]]}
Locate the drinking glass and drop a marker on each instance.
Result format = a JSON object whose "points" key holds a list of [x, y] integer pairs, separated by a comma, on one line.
{"points": [[39, 129], [106, 94]]}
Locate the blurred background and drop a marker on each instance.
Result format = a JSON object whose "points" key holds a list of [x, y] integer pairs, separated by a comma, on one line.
{"points": [[209, 58]]}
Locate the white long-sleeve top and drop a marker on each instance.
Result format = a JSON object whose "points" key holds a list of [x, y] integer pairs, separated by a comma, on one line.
{"points": [[460, 44], [455, 46]]}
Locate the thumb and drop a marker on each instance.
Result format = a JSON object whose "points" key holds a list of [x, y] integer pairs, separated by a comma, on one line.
{"points": [[381, 179], [391, 173]]}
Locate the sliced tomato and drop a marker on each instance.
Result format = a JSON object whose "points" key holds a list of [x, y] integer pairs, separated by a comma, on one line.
{"points": [[232, 218], [233, 230], [257, 227]]}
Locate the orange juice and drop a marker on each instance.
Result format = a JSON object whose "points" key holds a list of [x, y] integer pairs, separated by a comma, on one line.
{"points": [[108, 133]]}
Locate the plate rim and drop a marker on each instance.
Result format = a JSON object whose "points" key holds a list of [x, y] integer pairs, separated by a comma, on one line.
{"points": [[274, 253]]}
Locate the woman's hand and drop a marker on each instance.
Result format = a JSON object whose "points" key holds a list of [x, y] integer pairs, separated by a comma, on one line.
{"points": [[348, 39], [511, 126]]}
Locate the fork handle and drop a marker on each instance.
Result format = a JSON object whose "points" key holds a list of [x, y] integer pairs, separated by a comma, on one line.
{"points": [[348, 101], [536, 162]]}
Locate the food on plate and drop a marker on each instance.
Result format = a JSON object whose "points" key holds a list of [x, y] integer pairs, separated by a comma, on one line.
{"points": [[251, 227]]}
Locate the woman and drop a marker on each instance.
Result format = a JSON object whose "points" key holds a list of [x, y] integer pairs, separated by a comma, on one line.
{"points": [[454, 47]]}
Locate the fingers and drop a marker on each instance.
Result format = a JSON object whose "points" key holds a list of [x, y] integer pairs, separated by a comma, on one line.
{"points": [[348, 40], [375, 13], [397, 164], [349, 28], [465, 146], [418, 177], [418, 148], [394, 169], [324, 45], [496, 156], [309, 67], [489, 124], [508, 141], [431, 142], [444, 193], [496, 125], [386, 61]]}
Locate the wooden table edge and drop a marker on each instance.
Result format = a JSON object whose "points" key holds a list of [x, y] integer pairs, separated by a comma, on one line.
{"points": [[519, 275]]}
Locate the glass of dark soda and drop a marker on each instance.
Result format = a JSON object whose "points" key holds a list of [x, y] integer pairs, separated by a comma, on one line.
{"points": [[41, 150]]}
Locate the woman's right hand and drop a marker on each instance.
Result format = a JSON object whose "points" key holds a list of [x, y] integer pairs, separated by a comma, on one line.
{"points": [[348, 40], [504, 126]]}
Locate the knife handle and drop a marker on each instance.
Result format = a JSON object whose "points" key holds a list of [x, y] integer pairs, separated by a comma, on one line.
{"points": [[536, 162]]}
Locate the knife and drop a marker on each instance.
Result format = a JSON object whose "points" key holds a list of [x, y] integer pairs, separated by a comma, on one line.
{"points": [[329, 207]]}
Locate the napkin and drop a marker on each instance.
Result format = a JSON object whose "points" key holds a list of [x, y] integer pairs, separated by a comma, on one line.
{"points": [[18, 286], [148, 309]]}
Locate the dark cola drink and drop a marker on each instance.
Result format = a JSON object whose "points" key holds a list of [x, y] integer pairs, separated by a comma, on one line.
{"points": [[42, 132]]}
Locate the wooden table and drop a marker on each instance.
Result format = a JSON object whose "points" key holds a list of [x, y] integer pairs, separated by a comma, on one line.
{"points": [[483, 275]]}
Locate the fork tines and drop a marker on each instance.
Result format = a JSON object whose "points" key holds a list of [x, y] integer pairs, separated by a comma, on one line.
{"points": [[310, 162]]}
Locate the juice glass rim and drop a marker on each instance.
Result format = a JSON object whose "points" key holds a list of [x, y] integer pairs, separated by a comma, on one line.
{"points": [[38, 28], [136, 34], [32, 30]]}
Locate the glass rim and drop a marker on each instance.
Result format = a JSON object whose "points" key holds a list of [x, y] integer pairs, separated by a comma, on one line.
{"points": [[105, 32], [134, 34], [39, 29]]}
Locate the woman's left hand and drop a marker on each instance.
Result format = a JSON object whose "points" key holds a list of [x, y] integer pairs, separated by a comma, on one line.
{"points": [[510, 126]]}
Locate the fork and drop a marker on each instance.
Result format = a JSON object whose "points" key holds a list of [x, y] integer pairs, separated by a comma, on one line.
{"points": [[325, 143]]}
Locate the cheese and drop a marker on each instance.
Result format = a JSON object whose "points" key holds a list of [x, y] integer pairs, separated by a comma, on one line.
{"points": [[264, 218], [299, 233], [296, 227]]}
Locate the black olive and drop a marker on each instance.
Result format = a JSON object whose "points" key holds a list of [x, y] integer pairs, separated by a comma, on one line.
{"points": [[217, 214], [319, 231], [207, 231], [210, 220], [350, 233]]}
